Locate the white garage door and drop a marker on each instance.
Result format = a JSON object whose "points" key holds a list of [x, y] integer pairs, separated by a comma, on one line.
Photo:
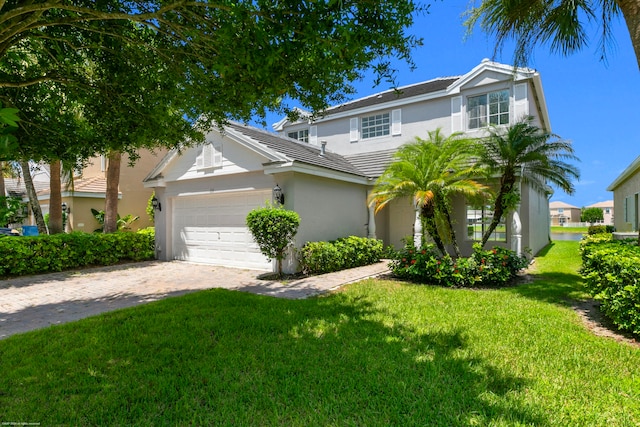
{"points": [[212, 230]]}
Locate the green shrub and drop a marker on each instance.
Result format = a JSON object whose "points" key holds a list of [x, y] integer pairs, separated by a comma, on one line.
{"points": [[273, 229], [611, 272], [346, 252], [494, 267], [597, 229], [45, 254]]}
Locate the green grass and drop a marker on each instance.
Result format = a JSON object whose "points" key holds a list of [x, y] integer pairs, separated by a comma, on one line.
{"points": [[580, 230], [378, 353]]}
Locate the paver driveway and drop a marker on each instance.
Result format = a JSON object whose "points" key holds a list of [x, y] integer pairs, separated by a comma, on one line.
{"points": [[28, 303]]}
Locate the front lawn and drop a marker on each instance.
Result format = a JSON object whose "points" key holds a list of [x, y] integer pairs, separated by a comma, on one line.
{"points": [[378, 353]]}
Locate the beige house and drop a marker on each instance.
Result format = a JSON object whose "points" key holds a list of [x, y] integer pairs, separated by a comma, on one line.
{"points": [[607, 211], [562, 213], [626, 189], [89, 190]]}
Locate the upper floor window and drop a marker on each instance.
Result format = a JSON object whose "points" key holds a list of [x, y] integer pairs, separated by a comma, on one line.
{"points": [[300, 135], [560, 210], [607, 211], [488, 109], [378, 125]]}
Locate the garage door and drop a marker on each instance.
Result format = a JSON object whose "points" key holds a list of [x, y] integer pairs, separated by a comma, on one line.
{"points": [[211, 230]]}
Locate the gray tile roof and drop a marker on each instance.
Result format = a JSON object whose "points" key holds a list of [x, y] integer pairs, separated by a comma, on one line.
{"points": [[393, 95], [371, 164], [296, 150]]}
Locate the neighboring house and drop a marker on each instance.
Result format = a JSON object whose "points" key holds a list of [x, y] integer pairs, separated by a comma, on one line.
{"points": [[326, 168], [626, 188], [89, 191], [562, 213], [607, 211]]}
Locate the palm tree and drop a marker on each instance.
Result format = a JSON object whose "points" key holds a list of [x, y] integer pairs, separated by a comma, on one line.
{"points": [[560, 23], [525, 151], [429, 172]]}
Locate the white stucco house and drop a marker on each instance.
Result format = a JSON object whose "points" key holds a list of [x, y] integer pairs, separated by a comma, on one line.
{"points": [[327, 166]]}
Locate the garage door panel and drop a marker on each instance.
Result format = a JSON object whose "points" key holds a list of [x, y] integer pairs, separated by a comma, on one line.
{"points": [[212, 230]]}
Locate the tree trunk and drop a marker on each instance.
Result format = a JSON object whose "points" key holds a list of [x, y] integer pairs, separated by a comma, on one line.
{"points": [[111, 198], [33, 198], [3, 190], [55, 198], [631, 12], [454, 241], [499, 209], [428, 212]]}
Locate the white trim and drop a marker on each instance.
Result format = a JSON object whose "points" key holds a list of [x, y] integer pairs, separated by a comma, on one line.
{"points": [[316, 171]]}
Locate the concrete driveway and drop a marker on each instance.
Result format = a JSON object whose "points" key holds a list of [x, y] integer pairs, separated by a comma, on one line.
{"points": [[33, 302]]}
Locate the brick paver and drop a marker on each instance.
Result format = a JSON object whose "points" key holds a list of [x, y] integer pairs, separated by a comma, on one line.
{"points": [[28, 303]]}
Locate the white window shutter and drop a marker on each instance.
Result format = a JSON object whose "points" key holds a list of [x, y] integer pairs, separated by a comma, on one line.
{"points": [[207, 155], [313, 135], [200, 158], [217, 155], [353, 130], [520, 104], [456, 114], [396, 122]]}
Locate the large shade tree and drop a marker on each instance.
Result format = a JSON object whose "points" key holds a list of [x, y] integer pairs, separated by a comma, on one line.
{"points": [[562, 24], [212, 61], [523, 152], [429, 172]]}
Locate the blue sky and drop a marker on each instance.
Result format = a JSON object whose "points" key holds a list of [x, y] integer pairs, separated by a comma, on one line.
{"points": [[591, 103]]}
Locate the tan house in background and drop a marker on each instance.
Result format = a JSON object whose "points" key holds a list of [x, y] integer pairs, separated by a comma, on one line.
{"points": [[562, 213], [626, 189], [90, 186], [607, 211]]}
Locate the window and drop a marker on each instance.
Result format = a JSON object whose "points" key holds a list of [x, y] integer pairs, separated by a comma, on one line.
{"points": [[300, 135], [478, 220], [373, 126], [560, 210], [488, 109], [607, 211]]}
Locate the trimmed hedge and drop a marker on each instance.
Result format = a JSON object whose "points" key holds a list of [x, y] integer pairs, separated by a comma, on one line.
{"points": [[494, 267], [340, 254], [45, 254], [611, 273], [599, 229]]}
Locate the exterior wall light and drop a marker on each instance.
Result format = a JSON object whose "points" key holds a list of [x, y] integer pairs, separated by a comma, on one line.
{"points": [[278, 196], [66, 208], [156, 204]]}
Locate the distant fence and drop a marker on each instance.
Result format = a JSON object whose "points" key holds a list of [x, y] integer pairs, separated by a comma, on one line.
{"points": [[582, 224]]}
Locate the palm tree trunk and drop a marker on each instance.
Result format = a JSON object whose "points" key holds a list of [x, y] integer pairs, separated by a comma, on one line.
{"points": [[33, 197], [499, 209], [428, 212], [631, 12], [55, 198], [111, 197], [454, 241], [3, 190]]}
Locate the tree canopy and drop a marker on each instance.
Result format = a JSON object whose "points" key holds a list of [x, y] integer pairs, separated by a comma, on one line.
{"points": [[562, 24], [591, 215], [131, 74]]}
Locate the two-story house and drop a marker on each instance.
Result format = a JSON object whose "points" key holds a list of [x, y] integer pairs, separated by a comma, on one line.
{"points": [[89, 190], [607, 211], [326, 167], [562, 214]]}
